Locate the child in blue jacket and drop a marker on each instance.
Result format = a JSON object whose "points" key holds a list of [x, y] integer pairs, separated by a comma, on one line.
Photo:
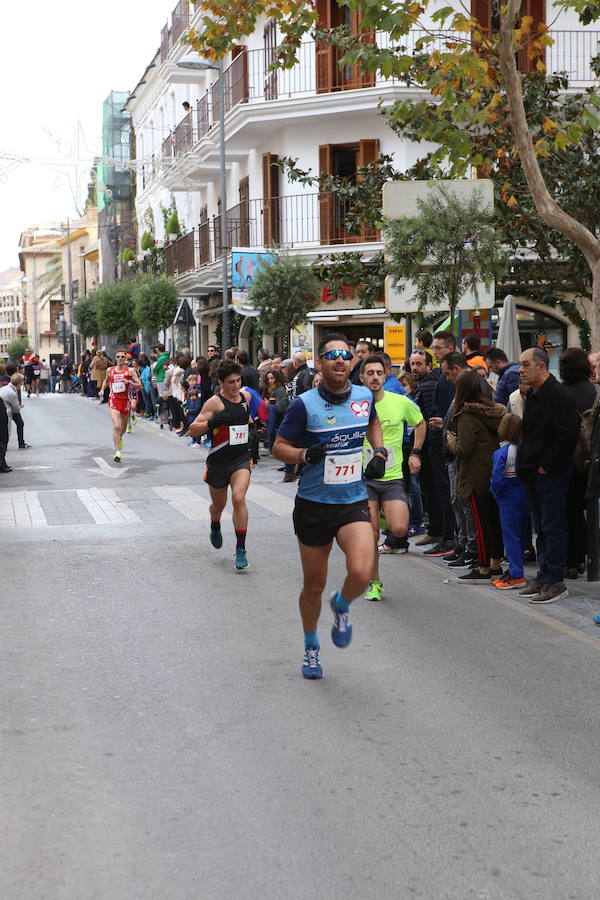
{"points": [[511, 497]]}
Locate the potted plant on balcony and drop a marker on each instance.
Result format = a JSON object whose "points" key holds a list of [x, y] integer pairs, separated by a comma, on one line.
{"points": [[127, 256], [147, 243], [172, 226]]}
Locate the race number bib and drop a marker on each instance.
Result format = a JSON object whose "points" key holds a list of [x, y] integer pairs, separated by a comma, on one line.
{"points": [[119, 387], [343, 469], [369, 456], [238, 434]]}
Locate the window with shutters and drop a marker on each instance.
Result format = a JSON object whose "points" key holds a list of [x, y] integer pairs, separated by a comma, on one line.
{"points": [[204, 236], [242, 230], [270, 43], [271, 215], [329, 75], [343, 160], [487, 13]]}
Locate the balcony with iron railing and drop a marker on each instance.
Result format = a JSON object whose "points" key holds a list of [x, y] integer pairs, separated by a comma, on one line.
{"points": [[249, 78], [180, 20], [297, 221]]}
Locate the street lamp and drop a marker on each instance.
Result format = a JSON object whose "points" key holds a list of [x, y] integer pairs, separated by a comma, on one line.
{"points": [[189, 62]]}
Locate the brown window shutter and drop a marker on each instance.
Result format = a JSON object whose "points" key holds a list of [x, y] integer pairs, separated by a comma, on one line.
{"points": [[326, 199], [537, 10], [324, 52], [368, 152], [360, 77], [482, 11], [243, 226], [270, 169]]}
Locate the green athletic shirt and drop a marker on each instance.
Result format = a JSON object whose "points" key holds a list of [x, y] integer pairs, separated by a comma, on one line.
{"points": [[394, 411]]}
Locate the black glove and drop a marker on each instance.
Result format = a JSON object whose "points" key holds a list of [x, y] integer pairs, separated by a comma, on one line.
{"points": [[220, 418], [376, 468], [315, 454]]}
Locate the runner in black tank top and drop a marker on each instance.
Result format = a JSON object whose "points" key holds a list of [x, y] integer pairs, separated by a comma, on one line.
{"points": [[226, 418]]}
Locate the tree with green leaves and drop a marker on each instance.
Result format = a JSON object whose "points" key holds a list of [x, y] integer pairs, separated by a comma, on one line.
{"points": [[446, 249], [283, 292], [115, 309], [17, 347], [85, 316], [461, 76], [156, 301]]}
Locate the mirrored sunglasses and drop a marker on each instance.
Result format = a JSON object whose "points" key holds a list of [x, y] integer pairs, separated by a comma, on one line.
{"points": [[346, 355]]}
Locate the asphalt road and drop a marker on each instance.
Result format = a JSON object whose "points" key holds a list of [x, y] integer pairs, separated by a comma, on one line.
{"points": [[158, 740]]}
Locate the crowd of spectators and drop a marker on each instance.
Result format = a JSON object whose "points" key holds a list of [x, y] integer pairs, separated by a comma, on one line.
{"points": [[506, 456]]}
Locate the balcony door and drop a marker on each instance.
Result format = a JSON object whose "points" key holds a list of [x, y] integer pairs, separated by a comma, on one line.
{"points": [[329, 76], [271, 219], [343, 160], [487, 13]]}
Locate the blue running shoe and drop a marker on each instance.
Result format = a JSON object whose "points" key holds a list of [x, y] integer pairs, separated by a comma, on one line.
{"points": [[341, 633], [596, 620], [216, 539], [311, 667], [241, 560]]}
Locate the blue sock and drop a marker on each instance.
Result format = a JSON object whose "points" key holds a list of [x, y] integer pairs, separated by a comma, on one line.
{"points": [[341, 605], [311, 639]]}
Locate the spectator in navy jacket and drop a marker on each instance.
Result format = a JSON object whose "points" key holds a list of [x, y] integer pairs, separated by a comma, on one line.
{"points": [[444, 343], [507, 372]]}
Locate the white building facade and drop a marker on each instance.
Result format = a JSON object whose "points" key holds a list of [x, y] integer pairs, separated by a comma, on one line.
{"points": [[325, 117], [11, 309]]}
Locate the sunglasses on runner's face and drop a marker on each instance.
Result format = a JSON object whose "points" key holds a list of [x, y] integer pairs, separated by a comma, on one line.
{"points": [[120, 356], [346, 355]]}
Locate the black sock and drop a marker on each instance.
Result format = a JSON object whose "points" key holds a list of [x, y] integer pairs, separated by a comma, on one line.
{"points": [[215, 526], [241, 539]]}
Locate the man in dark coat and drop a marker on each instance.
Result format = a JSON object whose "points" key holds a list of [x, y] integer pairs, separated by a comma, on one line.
{"points": [[549, 437]]}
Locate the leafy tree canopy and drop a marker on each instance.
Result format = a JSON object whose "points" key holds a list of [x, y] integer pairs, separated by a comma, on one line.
{"points": [[283, 292], [17, 347], [115, 309], [85, 316], [156, 301]]}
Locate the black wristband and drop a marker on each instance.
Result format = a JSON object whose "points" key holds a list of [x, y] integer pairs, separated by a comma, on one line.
{"points": [[382, 451], [415, 452]]}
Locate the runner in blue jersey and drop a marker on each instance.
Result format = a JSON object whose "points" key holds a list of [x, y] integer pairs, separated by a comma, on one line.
{"points": [[323, 430]]}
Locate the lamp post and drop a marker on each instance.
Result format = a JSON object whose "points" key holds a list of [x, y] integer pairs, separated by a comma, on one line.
{"points": [[200, 65]]}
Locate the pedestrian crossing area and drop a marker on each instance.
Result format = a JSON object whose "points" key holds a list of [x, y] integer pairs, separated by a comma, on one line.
{"points": [[161, 504]]}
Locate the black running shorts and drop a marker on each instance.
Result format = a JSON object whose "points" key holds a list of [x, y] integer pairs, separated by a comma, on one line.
{"points": [[218, 476], [316, 524]]}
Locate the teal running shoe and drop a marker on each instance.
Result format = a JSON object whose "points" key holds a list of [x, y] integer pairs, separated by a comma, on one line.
{"points": [[241, 560], [311, 667], [341, 633], [216, 539]]}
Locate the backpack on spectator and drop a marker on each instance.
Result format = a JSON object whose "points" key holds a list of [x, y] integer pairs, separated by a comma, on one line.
{"points": [[583, 450]]}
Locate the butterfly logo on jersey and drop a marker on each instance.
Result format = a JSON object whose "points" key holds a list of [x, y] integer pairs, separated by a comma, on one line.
{"points": [[360, 410]]}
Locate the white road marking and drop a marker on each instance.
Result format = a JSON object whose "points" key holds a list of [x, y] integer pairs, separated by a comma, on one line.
{"points": [[23, 509], [38, 519], [95, 510], [114, 509], [278, 504], [109, 471], [191, 505]]}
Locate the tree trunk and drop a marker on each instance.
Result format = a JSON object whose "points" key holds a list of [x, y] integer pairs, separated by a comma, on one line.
{"points": [[595, 316], [546, 206]]}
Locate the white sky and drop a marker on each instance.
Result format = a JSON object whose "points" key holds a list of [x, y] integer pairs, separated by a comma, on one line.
{"points": [[58, 62]]}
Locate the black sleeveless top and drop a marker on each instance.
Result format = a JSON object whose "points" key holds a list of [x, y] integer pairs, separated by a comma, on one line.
{"points": [[230, 443]]}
